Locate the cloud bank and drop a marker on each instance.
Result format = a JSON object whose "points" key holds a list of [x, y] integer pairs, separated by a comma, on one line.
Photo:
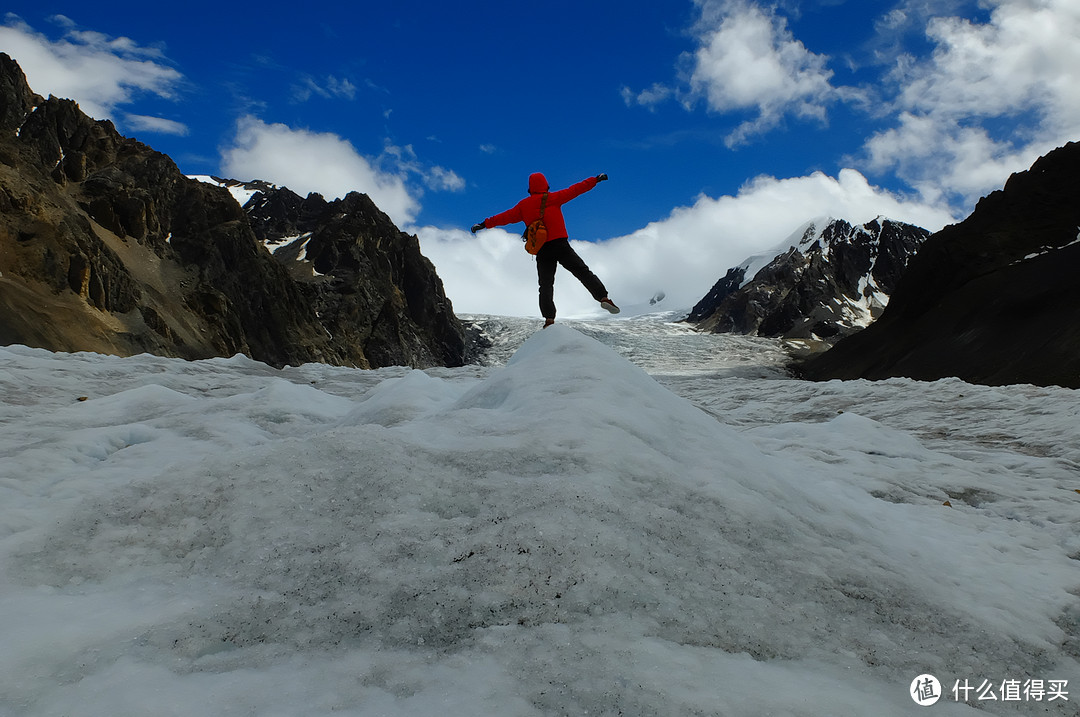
{"points": [[681, 256]]}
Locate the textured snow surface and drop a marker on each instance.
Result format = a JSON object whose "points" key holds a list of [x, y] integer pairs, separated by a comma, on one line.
{"points": [[618, 517]]}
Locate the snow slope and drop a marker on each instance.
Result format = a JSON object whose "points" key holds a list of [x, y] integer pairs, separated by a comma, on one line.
{"points": [[562, 533]]}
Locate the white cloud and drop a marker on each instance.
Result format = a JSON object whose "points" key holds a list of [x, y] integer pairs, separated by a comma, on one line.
{"points": [[911, 16], [748, 60], [442, 179], [404, 159], [682, 255], [320, 162], [650, 97], [944, 160], [160, 125], [330, 88], [97, 71], [990, 99], [323, 162]]}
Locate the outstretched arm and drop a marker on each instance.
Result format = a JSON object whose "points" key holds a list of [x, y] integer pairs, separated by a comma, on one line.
{"points": [[510, 216], [576, 190]]}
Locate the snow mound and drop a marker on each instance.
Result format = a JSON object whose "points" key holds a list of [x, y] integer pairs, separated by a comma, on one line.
{"points": [[562, 535]]}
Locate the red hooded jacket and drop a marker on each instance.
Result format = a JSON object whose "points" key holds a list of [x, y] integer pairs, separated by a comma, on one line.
{"points": [[528, 209]]}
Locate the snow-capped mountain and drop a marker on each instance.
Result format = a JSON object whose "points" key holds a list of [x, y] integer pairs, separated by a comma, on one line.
{"points": [[240, 190], [827, 280]]}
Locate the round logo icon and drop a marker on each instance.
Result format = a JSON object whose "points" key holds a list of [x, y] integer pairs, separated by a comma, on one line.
{"points": [[925, 690]]}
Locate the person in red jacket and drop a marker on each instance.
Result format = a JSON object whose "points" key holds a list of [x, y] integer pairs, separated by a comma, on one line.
{"points": [[557, 249]]}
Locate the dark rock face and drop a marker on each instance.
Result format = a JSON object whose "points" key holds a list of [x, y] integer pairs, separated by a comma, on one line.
{"points": [[366, 279], [832, 280], [993, 300], [105, 246]]}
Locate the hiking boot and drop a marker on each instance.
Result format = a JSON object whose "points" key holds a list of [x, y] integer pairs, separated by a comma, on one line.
{"points": [[548, 322], [609, 305]]}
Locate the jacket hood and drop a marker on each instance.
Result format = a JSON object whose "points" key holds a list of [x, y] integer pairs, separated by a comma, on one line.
{"points": [[538, 183]]}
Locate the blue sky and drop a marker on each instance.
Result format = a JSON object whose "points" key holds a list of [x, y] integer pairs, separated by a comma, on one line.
{"points": [[723, 124]]}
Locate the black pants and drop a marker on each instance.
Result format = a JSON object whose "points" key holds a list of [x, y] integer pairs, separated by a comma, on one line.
{"points": [[553, 253]]}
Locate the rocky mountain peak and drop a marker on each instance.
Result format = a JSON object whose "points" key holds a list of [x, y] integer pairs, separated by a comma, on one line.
{"points": [[827, 280], [106, 246], [17, 100]]}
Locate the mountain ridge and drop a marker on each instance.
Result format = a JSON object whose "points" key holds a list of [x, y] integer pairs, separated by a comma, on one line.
{"points": [[106, 246], [993, 299], [829, 279]]}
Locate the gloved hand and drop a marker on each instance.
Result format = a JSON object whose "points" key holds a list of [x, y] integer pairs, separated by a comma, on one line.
{"points": [[601, 177], [478, 227]]}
